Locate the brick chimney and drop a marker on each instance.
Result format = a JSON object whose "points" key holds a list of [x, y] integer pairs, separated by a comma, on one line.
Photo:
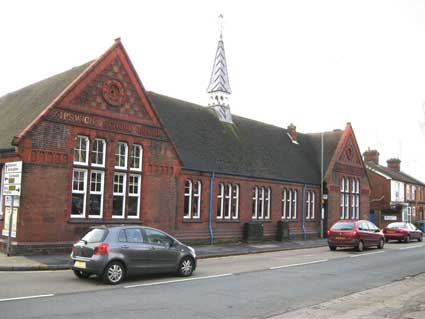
{"points": [[292, 131], [371, 156], [394, 164]]}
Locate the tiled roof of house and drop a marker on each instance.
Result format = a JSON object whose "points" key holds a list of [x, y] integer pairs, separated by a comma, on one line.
{"points": [[247, 147], [18, 109], [398, 176]]}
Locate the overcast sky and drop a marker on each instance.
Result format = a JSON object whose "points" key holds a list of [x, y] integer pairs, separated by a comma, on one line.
{"points": [[317, 64]]}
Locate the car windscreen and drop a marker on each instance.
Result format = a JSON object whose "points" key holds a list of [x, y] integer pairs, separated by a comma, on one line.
{"points": [[397, 225], [95, 235], [343, 226]]}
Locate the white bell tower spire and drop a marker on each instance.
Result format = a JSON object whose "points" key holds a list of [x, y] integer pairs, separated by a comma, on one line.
{"points": [[219, 88]]}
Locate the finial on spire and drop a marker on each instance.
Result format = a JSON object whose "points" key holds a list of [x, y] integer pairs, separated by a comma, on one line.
{"points": [[220, 17]]}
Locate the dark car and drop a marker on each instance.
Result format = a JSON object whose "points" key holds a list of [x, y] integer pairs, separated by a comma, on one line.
{"points": [[113, 252], [402, 232], [358, 234]]}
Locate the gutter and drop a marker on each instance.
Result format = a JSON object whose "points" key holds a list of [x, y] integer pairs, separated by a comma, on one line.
{"points": [[210, 229], [250, 176]]}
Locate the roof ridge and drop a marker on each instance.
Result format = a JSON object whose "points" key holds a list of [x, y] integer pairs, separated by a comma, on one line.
{"points": [[45, 80]]}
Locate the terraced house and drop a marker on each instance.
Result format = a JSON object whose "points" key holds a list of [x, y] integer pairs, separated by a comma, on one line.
{"points": [[395, 195], [96, 148]]}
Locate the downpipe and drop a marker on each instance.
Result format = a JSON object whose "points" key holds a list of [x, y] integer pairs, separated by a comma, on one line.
{"points": [[210, 229]]}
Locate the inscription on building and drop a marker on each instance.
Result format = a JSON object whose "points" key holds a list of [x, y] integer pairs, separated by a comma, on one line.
{"points": [[106, 124]]}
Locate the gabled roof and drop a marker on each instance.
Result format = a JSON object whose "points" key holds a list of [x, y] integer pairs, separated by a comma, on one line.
{"points": [[398, 176], [18, 109], [247, 147]]}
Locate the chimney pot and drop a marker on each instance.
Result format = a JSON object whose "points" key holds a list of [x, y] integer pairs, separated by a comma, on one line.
{"points": [[371, 156], [394, 164]]}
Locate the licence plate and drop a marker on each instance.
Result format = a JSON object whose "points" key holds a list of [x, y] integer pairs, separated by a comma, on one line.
{"points": [[80, 264], [339, 238], [391, 232]]}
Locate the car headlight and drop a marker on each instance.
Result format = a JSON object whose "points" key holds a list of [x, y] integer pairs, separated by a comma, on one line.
{"points": [[191, 250]]}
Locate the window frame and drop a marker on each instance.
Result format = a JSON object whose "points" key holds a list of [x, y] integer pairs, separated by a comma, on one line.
{"points": [[140, 161], [220, 201], [197, 197], [235, 199], [187, 210], [87, 150], [139, 188], [93, 152], [117, 148], [84, 191], [123, 194], [101, 192], [255, 203]]}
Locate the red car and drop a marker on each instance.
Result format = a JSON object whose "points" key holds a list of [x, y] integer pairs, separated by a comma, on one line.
{"points": [[358, 234], [402, 232]]}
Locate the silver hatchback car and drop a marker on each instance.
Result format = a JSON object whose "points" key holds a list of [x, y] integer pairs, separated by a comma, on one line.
{"points": [[113, 252]]}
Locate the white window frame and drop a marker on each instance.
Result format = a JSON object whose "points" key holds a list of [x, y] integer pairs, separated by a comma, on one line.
{"points": [[255, 203], [197, 196], [94, 153], [228, 197], [79, 149], [235, 198], [188, 193], [84, 191], [313, 205], [139, 185], [101, 192], [284, 194], [290, 204], [140, 161], [294, 213], [268, 198], [125, 155], [308, 205], [1, 190], [123, 194], [220, 200], [262, 197]]}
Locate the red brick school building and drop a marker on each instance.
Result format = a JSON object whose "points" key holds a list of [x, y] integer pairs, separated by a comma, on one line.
{"points": [[96, 148]]}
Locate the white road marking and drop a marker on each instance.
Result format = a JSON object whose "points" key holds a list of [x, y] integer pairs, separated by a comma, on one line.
{"points": [[299, 264], [410, 247], [27, 297], [178, 280], [367, 254]]}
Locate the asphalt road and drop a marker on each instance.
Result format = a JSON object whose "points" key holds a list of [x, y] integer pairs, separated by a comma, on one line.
{"points": [[254, 286]]}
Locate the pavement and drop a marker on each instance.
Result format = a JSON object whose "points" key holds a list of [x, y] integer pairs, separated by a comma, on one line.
{"points": [[62, 261], [398, 300]]}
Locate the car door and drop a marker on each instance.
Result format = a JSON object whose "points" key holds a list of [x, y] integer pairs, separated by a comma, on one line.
{"points": [[375, 235], [163, 255], [364, 233], [134, 249], [414, 232]]}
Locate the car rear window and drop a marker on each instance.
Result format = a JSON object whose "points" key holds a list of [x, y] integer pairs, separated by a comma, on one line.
{"points": [[397, 225], [343, 226], [95, 235]]}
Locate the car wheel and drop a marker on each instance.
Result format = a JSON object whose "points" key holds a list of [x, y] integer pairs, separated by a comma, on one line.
{"points": [[114, 273], [360, 246], [186, 267], [81, 274], [420, 237], [381, 243], [407, 239], [333, 248]]}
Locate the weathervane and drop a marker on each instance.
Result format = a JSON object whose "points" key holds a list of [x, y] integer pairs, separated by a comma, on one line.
{"points": [[220, 17]]}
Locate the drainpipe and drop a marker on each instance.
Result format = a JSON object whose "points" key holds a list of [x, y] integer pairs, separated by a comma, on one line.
{"points": [[302, 212], [210, 210]]}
